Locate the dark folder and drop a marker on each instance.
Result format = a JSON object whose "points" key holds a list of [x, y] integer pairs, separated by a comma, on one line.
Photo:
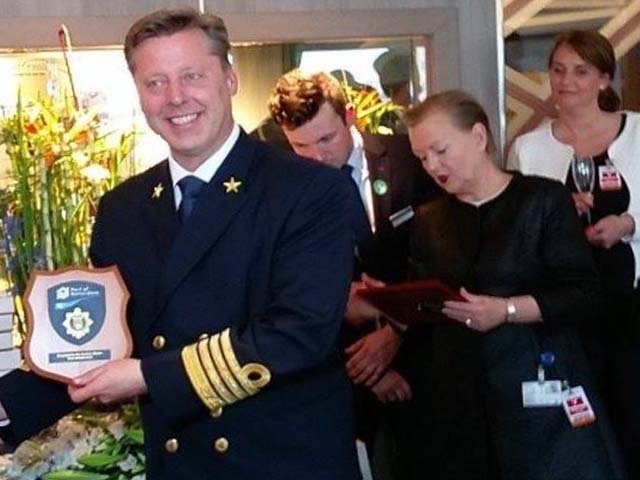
{"points": [[411, 302]]}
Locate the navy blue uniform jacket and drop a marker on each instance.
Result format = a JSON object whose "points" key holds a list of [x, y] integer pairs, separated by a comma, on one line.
{"points": [[268, 262]]}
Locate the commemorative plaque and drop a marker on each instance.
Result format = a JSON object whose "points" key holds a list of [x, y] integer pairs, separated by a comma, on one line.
{"points": [[76, 321]]}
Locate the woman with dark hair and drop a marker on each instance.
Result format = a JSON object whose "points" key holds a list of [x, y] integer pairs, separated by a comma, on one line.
{"points": [[589, 124], [513, 246]]}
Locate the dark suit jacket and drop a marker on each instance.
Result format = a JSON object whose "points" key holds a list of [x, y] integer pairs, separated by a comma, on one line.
{"points": [[390, 160], [272, 263]]}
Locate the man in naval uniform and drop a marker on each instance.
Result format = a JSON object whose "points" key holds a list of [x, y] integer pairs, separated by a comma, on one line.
{"points": [[238, 259]]}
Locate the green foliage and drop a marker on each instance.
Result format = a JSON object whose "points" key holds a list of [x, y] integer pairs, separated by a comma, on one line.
{"points": [[372, 114], [74, 475], [61, 162], [93, 443]]}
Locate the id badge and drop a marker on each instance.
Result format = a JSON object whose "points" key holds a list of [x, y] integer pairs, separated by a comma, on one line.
{"points": [[609, 178], [577, 407], [542, 394], [401, 216]]}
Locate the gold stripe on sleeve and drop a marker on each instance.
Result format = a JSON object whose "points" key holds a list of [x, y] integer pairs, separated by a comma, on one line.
{"points": [[252, 376], [204, 353], [198, 378], [223, 369]]}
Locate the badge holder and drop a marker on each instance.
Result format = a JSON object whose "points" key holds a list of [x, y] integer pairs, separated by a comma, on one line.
{"points": [[542, 392], [553, 393], [578, 408]]}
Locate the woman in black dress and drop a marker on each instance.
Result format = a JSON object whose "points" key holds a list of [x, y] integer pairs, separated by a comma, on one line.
{"points": [[514, 247], [590, 123]]}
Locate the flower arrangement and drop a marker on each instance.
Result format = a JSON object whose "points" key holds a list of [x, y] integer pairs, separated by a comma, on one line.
{"points": [[63, 156], [90, 444], [60, 164], [372, 113]]}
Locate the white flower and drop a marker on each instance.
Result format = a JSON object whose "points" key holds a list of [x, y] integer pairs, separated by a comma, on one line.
{"points": [[80, 158], [117, 429], [95, 173], [128, 463]]}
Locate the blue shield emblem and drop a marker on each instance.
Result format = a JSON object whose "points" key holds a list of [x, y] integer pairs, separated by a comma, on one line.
{"points": [[77, 310]]}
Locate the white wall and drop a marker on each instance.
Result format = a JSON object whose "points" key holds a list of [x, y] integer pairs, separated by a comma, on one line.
{"points": [[465, 40]]}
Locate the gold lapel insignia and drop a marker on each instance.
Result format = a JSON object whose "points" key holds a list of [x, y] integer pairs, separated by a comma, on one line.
{"points": [[157, 191], [232, 185]]}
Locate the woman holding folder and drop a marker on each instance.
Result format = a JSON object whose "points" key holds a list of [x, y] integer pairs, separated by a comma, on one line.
{"points": [[501, 386]]}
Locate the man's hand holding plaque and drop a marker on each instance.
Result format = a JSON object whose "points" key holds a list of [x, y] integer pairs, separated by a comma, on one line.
{"points": [[76, 321]]}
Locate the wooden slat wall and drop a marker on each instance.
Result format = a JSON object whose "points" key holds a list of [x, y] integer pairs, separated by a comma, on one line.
{"points": [[528, 101]]}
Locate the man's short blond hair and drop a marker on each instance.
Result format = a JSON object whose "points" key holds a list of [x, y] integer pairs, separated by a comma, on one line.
{"points": [[169, 21]]}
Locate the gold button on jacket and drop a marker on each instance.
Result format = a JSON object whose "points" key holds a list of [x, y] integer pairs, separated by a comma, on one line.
{"points": [[221, 445], [171, 445], [158, 342]]}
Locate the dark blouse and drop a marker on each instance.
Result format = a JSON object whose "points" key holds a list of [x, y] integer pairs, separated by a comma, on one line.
{"points": [[525, 241], [616, 265]]}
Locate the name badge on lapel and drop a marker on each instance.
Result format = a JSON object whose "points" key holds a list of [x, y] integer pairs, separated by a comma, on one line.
{"points": [[609, 178], [401, 216]]}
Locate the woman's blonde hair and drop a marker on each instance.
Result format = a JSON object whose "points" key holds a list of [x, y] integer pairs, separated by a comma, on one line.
{"points": [[463, 109]]}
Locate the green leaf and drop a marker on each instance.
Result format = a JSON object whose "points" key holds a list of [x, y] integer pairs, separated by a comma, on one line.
{"points": [[97, 460], [73, 475], [136, 435]]}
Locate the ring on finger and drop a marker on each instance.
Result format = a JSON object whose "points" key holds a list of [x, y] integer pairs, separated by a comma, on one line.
{"points": [[468, 322]]}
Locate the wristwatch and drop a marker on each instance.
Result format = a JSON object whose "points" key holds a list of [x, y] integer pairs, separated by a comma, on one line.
{"points": [[512, 312]]}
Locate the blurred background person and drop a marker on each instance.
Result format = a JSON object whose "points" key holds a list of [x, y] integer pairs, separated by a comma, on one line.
{"points": [[388, 182], [513, 246], [270, 132], [589, 123], [394, 70]]}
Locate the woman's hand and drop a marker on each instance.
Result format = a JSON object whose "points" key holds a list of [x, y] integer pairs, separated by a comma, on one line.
{"points": [[583, 202], [608, 231], [392, 387], [479, 312]]}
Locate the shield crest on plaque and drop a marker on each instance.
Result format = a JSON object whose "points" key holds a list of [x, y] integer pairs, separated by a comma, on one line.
{"points": [[76, 310], [76, 320]]}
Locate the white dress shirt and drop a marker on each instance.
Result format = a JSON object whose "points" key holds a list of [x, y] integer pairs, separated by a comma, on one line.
{"points": [[207, 169], [360, 174]]}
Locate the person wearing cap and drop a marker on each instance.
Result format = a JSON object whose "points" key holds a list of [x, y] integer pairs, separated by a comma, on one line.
{"points": [[394, 70]]}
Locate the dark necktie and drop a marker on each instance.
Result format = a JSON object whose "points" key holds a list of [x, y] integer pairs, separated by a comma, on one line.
{"points": [[190, 187], [359, 218], [360, 226]]}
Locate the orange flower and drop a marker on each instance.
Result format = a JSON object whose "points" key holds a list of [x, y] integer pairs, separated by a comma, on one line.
{"points": [[49, 157], [82, 137]]}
